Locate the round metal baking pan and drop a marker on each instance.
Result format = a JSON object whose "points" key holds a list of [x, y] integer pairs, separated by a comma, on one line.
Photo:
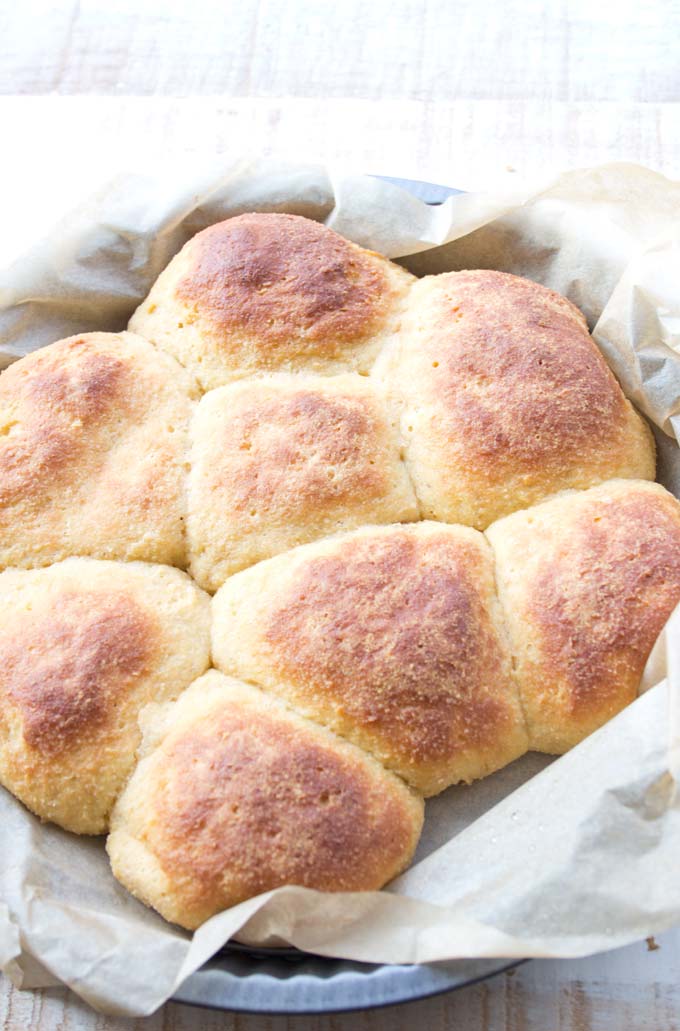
{"points": [[287, 981], [249, 980]]}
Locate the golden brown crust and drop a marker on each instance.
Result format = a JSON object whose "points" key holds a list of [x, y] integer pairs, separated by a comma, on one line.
{"points": [[588, 580], [84, 646], [627, 571], [282, 277], [332, 429], [283, 460], [394, 636], [507, 398], [247, 787], [93, 434], [61, 388], [65, 671], [272, 292], [243, 796], [390, 633], [389, 636], [524, 380]]}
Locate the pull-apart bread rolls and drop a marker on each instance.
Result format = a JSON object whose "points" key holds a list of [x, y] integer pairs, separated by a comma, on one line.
{"points": [[84, 645], [283, 460], [241, 796], [378, 656], [93, 441], [587, 581], [392, 637], [506, 399], [268, 292]]}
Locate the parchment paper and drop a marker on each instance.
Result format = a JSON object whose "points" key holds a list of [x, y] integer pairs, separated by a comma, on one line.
{"points": [[548, 857]]}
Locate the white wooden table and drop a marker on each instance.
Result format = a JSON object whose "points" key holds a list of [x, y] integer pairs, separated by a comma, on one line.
{"points": [[453, 91]]}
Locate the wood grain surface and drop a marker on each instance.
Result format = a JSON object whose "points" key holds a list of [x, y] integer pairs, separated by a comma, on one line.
{"points": [[434, 51], [633, 989], [455, 91]]}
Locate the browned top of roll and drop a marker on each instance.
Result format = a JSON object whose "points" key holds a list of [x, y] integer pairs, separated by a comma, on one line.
{"points": [[389, 635], [272, 292], [279, 276], [92, 445], [336, 430], [602, 598], [587, 581], [507, 398], [523, 377], [84, 647], [280, 460], [52, 399], [65, 669], [402, 640], [279, 805], [242, 796]]}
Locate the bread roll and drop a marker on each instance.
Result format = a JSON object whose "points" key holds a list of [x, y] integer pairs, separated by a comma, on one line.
{"points": [[283, 460], [587, 581], [83, 646], [270, 292], [242, 796], [93, 440], [390, 636], [506, 398]]}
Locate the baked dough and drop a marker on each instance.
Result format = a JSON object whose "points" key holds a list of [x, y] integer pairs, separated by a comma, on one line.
{"points": [[282, 460], [84, 646], [391, 636], [587, 581], [241, 796], [269, 293], [505, 398], [93, 441], [379, 655]]}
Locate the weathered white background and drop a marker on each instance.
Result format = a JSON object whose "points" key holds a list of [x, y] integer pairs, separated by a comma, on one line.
{"points": [[455, 91]]}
